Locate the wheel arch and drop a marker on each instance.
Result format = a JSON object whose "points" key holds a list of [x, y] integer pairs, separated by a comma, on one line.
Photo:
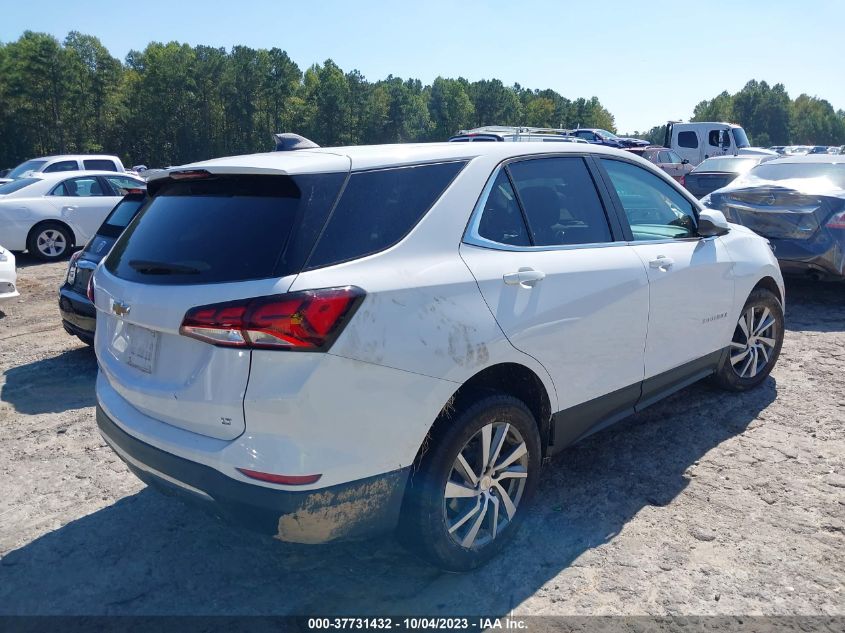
{"points": [[47, 221], [768, 283], [509, 378]]}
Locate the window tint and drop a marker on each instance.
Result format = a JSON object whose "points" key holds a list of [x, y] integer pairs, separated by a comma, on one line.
{"points": [[501, 220], [99, 163], [585, 134], [121, 216], [378, 208], [230, 228], [84, 187], [674, 158], [122, 184], [64, 165], [687, 139], [655, 210], [560, 201], [664, 157]]}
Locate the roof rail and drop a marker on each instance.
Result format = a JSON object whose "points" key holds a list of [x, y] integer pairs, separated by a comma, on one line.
{"points": [[507, 129]]}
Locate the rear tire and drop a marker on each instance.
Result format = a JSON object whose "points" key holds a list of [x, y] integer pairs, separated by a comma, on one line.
{"points": [[756, 343], [465, 502], [49, 241]]}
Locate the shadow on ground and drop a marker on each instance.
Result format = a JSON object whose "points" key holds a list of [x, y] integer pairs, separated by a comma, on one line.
{"points": [[52, 385], [815, 306], [149, 554]]}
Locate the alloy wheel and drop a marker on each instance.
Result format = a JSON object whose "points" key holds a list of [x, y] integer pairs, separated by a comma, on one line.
{"points": [[485, 485], [754, 341], [51, 243]]}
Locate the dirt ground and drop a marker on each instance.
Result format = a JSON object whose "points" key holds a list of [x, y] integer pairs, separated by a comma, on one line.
{"points": [[704, 504]]}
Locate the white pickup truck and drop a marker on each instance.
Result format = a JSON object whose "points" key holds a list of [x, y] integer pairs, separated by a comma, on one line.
{"points": [[703, 139]]}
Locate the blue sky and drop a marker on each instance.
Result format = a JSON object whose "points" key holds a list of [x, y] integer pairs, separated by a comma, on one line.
{"points": [[646, 60]]}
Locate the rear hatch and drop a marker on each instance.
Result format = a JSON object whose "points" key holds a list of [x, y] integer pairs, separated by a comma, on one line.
{"points": [[204, 238], [777, 212]]}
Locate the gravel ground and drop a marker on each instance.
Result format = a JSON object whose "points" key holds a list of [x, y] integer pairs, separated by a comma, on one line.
{"points": [[707, 503]]}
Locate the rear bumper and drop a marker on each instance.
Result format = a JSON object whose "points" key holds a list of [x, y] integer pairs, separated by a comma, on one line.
{"points": [[822, 256], [78, 314], [351, 510]]}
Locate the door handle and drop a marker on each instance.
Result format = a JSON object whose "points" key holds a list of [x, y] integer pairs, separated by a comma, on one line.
{"points": [[525, 277], [661, 262]]}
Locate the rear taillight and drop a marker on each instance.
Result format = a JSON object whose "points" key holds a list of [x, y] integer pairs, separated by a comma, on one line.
{"points": [[90, 290], [683, 181], [306, 321], [837, 221]]}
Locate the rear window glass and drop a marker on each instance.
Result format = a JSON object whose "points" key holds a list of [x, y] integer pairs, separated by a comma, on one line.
{"points": [[832, 172], [100, 163], [378, 208], [17, 185], [225, 229], [121, 216], [730, 165]]}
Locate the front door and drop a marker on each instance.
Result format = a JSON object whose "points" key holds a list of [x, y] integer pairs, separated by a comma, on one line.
{"points": [[562, 290], [690, 282]]}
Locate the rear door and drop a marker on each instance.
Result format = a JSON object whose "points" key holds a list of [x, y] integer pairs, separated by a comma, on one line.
{"points": [[690, 283], [200, 242], [542, 249], [83, 202]]}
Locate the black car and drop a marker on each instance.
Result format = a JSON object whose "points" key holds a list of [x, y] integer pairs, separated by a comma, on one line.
{"points": [[598, 136], [798, 203], [719, 171], [78, 314]]}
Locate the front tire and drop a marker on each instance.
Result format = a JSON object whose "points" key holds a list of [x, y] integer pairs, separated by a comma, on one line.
{"points": [[468, 496], [49, 242], [756, 343]]}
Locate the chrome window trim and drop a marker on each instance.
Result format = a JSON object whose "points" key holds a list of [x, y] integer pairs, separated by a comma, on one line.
{"points": [[473, 238]]}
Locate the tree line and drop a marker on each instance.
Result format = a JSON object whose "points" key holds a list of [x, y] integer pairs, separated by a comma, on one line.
{"points": [[770, 116], [173, 103]]}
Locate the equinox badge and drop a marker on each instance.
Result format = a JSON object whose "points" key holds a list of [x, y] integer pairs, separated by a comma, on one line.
{"points": [[120, 309]]}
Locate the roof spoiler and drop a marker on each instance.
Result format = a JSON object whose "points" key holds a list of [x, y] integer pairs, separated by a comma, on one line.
{"points": [[289, 142]]}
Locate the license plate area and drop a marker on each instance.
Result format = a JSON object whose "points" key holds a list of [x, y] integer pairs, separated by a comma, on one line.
{"points": [[136, 346]]}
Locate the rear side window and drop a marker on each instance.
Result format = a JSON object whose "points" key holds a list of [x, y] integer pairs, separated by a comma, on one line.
{"points": [[224, 229], [688, 139], [378, 208], [501, 220], [560, 201], [122, 184], [100, 163]]}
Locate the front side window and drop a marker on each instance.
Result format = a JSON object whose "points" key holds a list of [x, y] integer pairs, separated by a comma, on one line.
{"points": [[63, 165], [655, 210], [84, 187], [688, 139], [665, 157], [674, 158], [714, 138], [560, 202], [585, 134]]}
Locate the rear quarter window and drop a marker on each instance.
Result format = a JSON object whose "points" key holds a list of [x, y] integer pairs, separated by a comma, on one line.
{"points": [[378, 208]]}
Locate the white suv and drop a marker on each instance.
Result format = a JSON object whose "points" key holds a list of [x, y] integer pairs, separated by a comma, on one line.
{"points": [[326, 343]]}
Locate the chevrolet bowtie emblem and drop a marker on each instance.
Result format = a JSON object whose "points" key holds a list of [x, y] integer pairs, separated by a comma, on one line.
{"points": [[120, 309]]}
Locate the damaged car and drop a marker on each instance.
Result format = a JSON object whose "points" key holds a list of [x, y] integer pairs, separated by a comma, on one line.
{"points": [[798, 204], [330, 343]]}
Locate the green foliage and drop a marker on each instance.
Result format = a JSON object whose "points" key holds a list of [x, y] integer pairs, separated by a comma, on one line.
{"points": [[171, 103], [770, 117]]}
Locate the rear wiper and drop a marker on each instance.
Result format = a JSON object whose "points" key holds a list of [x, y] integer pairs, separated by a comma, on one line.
{"points": [[146, 267]]}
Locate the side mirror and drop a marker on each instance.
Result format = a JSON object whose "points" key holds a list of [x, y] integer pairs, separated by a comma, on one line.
{"points": [[711, 223], [685, 161]]}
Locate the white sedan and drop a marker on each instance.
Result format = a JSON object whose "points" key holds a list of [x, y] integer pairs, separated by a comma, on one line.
{"points": [[8, 276], [49, 214]]}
